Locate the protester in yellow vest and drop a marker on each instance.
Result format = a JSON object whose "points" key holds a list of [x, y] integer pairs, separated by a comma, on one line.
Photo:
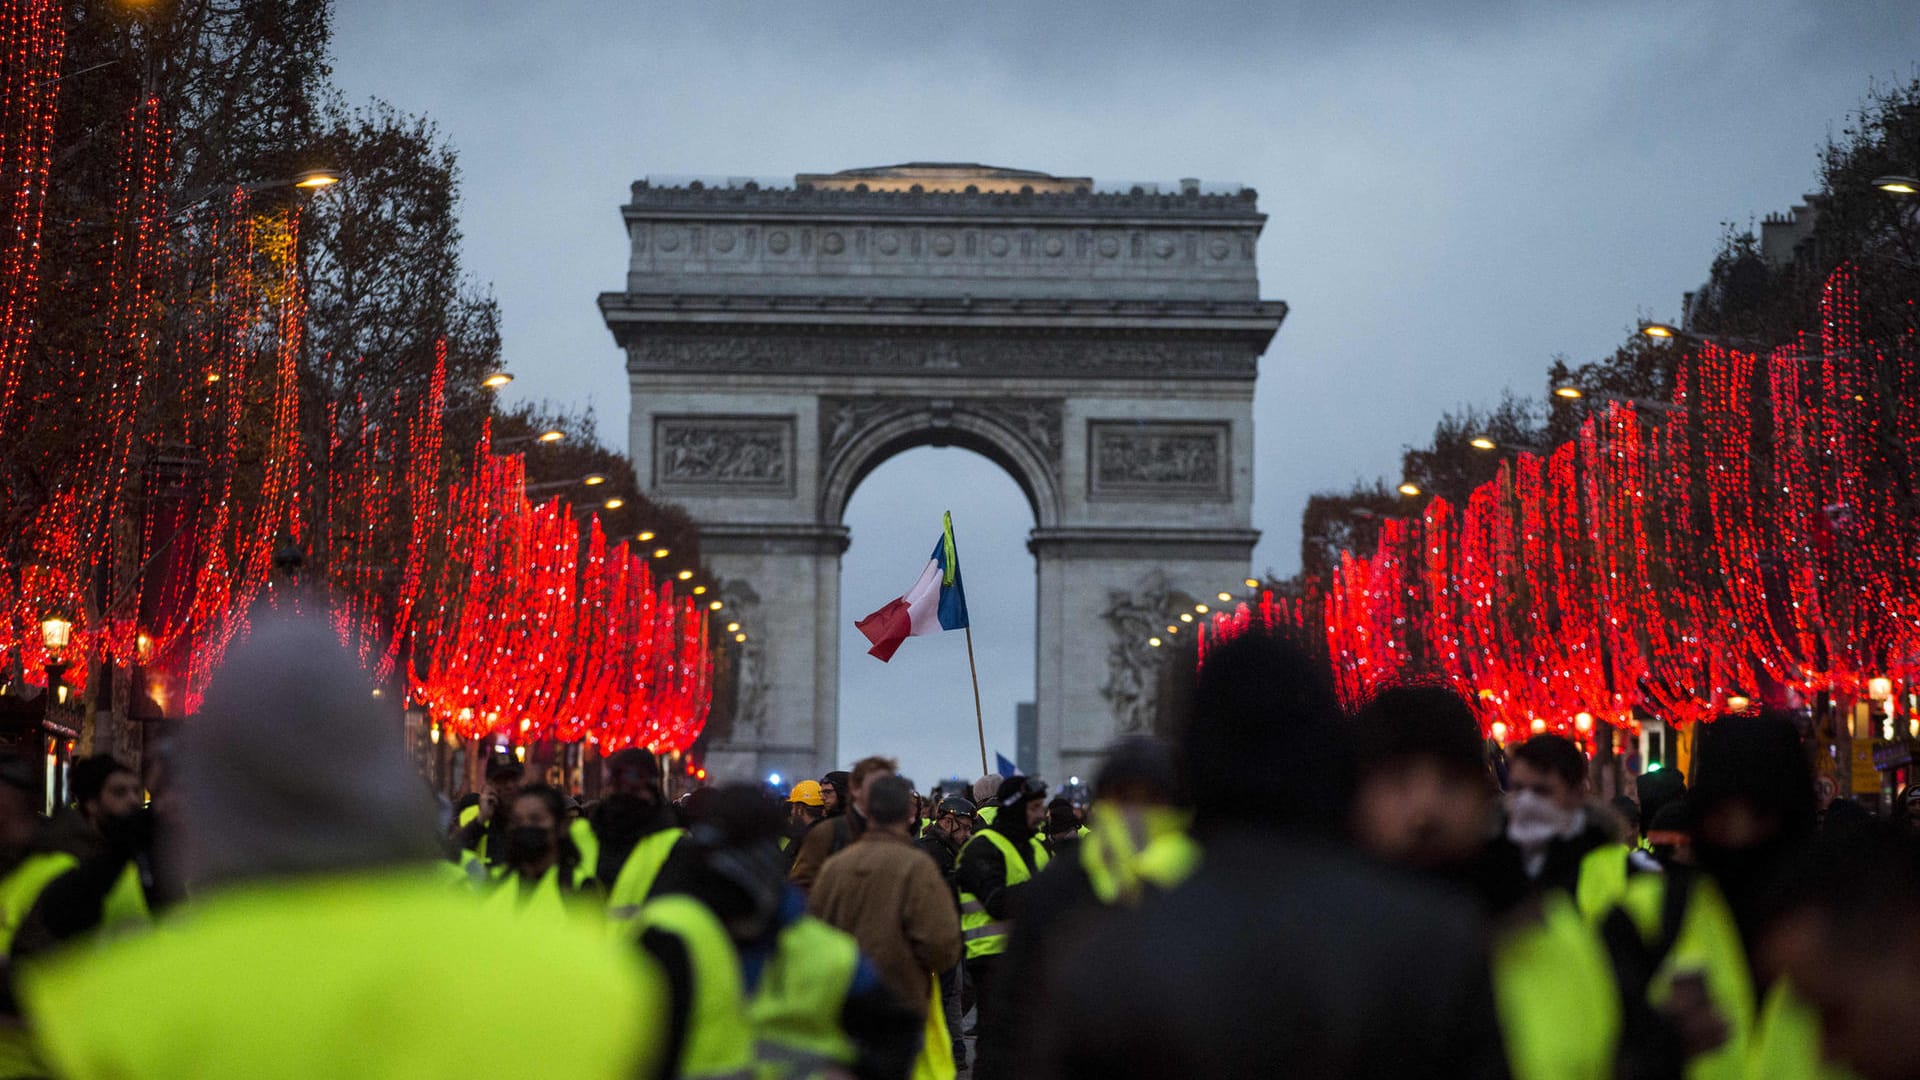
{"points": [[541, 875], [811, 1001], [122, 874], [483, 826], [994, 872], [25, 871], [1137, 847], [319, 942], [636, 829], [1426, 800]]}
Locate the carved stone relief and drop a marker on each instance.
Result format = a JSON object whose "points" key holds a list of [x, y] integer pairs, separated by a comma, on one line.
{"points": [[1127, 459], [731, 455], [1036, 420], [1132, 688]]}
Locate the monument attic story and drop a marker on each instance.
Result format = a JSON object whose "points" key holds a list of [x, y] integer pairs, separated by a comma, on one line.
{"points": [[926, 246]]}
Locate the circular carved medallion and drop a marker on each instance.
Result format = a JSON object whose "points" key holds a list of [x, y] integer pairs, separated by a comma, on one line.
{"points": [[998, 245], [777, 242], [888, 243], [942, 244], [833, 243], [668, 240], [1163, 247], [1109, 246], [1219, 248], [723, 241]]}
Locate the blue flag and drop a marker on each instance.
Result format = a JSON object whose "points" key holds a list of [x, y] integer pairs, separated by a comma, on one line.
{"points": [[1006, 768]]}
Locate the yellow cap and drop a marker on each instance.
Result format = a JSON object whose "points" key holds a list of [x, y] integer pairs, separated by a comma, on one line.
{"points": [[808, 792]]}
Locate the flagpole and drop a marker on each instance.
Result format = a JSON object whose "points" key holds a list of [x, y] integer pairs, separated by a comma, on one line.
{"points": [[979, 723], [953, 572]]}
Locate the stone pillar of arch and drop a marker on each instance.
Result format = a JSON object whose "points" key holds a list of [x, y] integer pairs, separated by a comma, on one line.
{"points": [[1101, 347]]}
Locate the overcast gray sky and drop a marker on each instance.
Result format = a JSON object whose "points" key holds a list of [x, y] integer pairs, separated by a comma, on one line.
{"points": [[1457, 191]]}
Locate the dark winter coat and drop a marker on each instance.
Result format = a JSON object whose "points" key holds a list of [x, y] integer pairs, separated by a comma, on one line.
{"points": [[1280, 956]]}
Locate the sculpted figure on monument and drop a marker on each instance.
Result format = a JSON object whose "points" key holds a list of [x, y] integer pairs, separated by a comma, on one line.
{"points": [[1133, 670]]}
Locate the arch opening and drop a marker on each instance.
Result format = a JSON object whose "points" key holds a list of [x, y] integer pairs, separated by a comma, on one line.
{"points": [[919, 706]]}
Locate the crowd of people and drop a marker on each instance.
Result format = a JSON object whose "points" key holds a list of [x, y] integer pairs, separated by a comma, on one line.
{"points": [[1282, 889]]}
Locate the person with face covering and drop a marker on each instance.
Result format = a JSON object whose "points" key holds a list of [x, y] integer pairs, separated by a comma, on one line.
{"points": [[1752, 809], [1286, 953], [1549, 829], [635, 830], [994, 873], [541, 872], [319, 941], [1137, 848], [757, 984], [1426, 802]]}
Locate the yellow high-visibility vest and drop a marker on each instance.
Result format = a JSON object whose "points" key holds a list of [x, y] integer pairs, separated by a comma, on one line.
{"points": [[635, 881], [983, 934], [1554, 991], [23, 887], [347, 975], [719, 1039], [796, 1009]]}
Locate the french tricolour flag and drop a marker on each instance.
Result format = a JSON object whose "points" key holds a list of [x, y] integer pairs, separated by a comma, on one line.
{"points": [[935, 603]]}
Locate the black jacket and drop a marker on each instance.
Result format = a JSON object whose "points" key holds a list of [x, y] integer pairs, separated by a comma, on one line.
{"points": [[1562, 868], [941, 849], [1280, 957], [982, 869]]}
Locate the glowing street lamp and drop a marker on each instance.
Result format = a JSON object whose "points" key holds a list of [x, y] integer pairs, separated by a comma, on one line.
{"points": [[1571, 393], [1253, 583], [1410, 489], [1898, 185], [1659, 330], [496, 380], [316, 179], [1481, 442], [56, 634]]}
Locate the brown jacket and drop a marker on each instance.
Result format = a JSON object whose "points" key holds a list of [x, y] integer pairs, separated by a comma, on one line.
{"points": [[886, 893]]}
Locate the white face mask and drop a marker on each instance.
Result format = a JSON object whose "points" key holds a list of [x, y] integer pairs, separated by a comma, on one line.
{"points": [[1533, 819]]}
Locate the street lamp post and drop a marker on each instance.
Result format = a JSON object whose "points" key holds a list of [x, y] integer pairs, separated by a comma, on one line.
{"points": [[56, 634]]}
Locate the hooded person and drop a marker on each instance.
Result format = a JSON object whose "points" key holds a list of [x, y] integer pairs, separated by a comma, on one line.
{"points": [[751, 973], [1136, 848], [320, 942], [837, 789], [984, 790], [993, 873], [634, 830], [1286, 950]]}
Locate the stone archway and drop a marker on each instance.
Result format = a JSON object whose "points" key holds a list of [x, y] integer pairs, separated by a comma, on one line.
{"points": [[1021, 435], [1100, 347]]}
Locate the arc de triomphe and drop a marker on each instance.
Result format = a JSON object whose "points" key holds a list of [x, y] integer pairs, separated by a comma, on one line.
{"points": [[1101, 346]]}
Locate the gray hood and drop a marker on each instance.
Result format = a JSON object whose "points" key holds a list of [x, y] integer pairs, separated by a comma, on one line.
{"points": [[293, 767]]}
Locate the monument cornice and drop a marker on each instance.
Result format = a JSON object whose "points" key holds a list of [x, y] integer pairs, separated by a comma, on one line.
{"points": [[976, 351], [1254, 322], [650, 202]]}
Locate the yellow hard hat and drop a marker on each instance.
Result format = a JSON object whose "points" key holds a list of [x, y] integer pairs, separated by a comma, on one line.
{"points": [[808, 792]]}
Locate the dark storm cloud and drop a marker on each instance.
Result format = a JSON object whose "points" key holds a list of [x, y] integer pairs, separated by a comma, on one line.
{"points": [[1456, 191]]}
